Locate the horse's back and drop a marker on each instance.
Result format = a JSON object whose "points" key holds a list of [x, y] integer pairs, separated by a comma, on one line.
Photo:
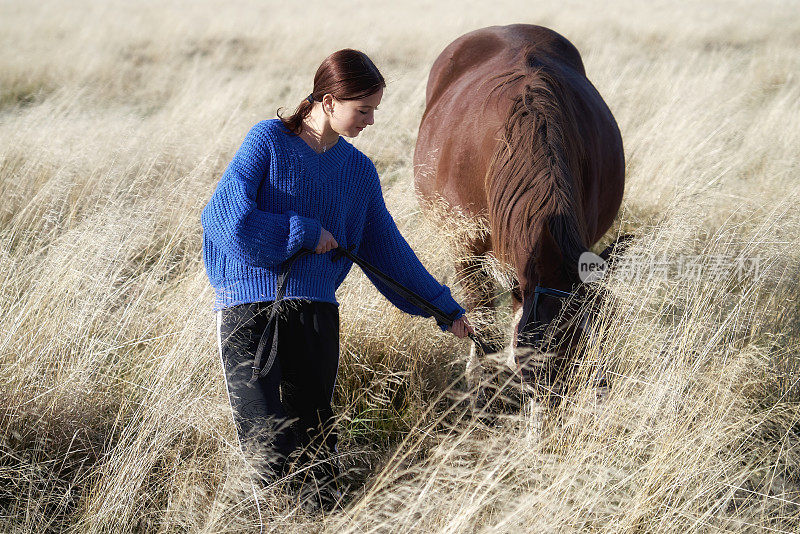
{"points": [[496, 45], [466, 110]]}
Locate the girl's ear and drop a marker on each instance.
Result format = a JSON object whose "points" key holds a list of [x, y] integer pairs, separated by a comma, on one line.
{"points": [[327, 103]]}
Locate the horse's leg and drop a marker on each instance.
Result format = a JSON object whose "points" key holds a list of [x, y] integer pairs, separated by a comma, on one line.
{"points": [[480, 301]]}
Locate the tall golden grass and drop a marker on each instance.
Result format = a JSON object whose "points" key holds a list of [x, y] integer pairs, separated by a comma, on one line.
{"points": [[117, 119]]}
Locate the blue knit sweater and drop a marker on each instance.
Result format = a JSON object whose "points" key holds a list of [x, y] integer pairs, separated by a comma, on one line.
{"points": [[272, 200]]}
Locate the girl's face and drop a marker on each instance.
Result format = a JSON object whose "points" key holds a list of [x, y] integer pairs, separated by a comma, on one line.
{"points": [[350, 117]]}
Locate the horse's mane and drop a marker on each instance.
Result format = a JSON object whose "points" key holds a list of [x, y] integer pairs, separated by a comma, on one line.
{"points": [[532, 178]]}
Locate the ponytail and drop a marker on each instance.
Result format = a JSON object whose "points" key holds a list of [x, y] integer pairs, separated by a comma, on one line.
{"points": [[295, 121], [347, 75]]}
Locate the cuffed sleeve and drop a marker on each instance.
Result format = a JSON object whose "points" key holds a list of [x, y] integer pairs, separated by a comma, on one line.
{"points": [[445, 301], [383, 246], [310, 229], [233, 222]]}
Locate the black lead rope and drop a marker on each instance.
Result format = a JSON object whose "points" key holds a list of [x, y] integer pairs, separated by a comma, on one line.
{"points": [[270, 334], [399, 288]]}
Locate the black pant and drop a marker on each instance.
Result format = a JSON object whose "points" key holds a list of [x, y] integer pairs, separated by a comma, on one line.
{"points": [[286, 416]]}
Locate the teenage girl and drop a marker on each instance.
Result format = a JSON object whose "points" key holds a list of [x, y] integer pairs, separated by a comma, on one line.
{"points": [[296, 184]]}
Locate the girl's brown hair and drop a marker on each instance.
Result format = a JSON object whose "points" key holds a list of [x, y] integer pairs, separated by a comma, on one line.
{"points": [[347, 75]]}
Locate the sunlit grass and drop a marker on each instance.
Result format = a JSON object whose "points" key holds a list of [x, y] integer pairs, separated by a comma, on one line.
{"points": [[117, 120]]}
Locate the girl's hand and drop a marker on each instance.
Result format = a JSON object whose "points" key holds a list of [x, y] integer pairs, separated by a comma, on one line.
{"points": [[326, 242], [461, 327]]}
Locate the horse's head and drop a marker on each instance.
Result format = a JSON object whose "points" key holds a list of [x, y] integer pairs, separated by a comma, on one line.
{"points": [[546, 279], [554, 305]]}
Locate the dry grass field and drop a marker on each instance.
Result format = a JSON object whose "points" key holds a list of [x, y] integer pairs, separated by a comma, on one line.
{"points": [[118, 118]]}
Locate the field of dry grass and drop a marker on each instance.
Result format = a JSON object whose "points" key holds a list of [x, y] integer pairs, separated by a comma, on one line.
{"points": [[118, 118]]}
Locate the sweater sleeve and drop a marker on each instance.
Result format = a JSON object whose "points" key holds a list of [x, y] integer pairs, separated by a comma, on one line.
{"points": [[383, 246], [233, 222]]}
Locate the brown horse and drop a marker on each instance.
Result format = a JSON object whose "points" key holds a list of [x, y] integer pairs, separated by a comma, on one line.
{"points": [[514, 134]]}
